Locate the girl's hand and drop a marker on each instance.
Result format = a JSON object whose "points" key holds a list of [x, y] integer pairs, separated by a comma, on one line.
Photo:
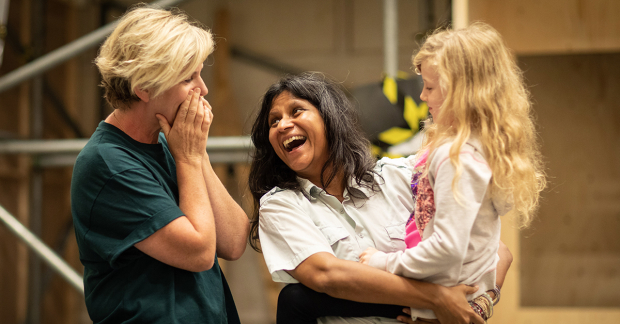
{"points": [[367, 254], [187, 137]]}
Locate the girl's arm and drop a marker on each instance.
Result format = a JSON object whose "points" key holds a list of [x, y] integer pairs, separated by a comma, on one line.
{"points": [[505, 260], [452, 223], [350, 280], [300, 304]]}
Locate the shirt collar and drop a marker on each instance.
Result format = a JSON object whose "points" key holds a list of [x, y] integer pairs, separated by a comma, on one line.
{"points": [[363, 189], [312, 191], [309, 189]]}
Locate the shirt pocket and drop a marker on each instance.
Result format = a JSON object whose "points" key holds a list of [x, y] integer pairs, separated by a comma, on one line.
{"points": [[342, 244], [396, 234], [334, 234]]}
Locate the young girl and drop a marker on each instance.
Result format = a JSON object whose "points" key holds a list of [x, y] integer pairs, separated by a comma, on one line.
{"points": [[479, 161]]}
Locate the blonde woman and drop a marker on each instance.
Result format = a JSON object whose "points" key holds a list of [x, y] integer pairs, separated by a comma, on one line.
{"points": [[151, 217], [480, 160]]}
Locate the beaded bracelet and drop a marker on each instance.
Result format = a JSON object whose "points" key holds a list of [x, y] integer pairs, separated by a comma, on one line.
{"points": [[497, 293], [483, 306]]}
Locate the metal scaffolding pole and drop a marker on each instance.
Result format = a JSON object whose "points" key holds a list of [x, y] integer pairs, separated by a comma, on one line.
{"points": [[221, 149], [46, 254], [35, 288], [66, 52], [215, 144], [4, 17], [390, 35], [460, 14]]}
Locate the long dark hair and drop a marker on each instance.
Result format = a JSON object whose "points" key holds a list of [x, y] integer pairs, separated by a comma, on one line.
{"points": [[349, 150]]}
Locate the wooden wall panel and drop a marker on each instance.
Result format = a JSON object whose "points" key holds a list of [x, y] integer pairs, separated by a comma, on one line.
{"points": [[13, 259], [60, 304], [553, 26], [14, 175], [571, 254]]}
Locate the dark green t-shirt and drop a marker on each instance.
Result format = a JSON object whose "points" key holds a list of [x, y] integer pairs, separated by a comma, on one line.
{"points": [[123, 191]]}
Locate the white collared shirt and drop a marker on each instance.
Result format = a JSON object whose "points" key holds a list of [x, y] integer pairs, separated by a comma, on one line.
{"points": [[297, 224]]}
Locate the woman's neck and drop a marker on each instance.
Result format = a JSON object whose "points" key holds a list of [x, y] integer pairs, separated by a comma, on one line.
{"points": [[334, 188], [136, 124]]}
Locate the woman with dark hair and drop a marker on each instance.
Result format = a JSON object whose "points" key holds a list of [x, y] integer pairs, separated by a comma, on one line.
{"points": [[347, 147], [321, 200]]}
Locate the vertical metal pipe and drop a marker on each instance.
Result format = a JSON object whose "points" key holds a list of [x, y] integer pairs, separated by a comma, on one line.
{"points": [[390, 35], [4, 18], [460, 14], [35, 293]]}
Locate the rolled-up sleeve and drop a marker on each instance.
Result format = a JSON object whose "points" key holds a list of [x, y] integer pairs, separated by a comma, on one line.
{"points": [[288, 235]]}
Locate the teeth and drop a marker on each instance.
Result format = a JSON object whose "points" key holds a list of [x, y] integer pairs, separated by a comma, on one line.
{"points": [[288, 141]]}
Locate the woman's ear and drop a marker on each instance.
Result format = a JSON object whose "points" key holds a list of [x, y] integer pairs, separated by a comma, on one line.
{"points": [[142, 94]]}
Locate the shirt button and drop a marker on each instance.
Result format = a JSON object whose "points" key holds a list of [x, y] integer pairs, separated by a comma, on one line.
{"points": [[360, 235], [342, 211]]}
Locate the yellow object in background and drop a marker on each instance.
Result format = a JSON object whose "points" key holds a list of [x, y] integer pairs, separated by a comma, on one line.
{"points": [[390, 89]]}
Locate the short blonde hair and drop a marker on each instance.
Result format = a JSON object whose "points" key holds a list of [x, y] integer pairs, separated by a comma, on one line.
{"points": [[150, 49], [485, 96]]}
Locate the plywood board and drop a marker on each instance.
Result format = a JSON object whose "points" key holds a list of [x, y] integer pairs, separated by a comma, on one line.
{"points": [[553, 26]]}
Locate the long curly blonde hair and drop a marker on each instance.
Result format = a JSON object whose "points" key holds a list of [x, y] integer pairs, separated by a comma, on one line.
{"points": [[485, 96]]}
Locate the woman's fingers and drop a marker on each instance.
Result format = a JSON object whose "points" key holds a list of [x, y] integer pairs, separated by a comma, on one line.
{"points": [[428, 321], [193, 106], [164, 124], [468, 290], [208, 116], [207, 104], [182, 112], [405, 319], [187, 136], [455, 307], [200, 113]]}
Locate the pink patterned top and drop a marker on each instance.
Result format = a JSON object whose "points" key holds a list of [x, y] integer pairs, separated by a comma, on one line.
{"points": [[424, 203]]}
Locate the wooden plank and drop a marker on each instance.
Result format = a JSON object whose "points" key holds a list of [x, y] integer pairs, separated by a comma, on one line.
{"points": [[571, 255], [553, 26]]}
